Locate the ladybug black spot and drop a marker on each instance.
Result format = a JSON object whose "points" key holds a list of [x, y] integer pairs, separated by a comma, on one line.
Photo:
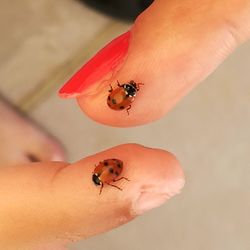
{"points": [[105, 163], [121, 107], [109, 98], [113, 101], [119, 165], [111, 170]]}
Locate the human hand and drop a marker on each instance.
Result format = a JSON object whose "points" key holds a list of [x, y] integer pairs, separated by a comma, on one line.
{"points": [[47, 205], [194, 38], [171, 47]]}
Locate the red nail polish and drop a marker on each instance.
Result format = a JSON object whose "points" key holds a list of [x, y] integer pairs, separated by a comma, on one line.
{"points": [[107, 59]]}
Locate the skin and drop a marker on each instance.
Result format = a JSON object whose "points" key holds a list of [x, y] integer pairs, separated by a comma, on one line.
{"points": [[185, 41], [16, 146], [56, 198]]}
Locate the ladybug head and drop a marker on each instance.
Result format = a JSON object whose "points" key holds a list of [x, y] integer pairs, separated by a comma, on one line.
{"points": [[96, 179], [133, 83], [130, 88]]}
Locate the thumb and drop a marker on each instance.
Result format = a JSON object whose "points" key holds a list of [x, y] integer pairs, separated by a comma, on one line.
{"points": [[171, 47], [53, 203]]}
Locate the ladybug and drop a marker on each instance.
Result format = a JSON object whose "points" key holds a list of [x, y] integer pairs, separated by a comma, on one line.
{"points": [[107, 172], [121, 97]]}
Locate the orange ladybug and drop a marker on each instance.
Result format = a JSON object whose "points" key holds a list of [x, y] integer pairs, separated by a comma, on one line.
{"points": [[107, 172], [121, 97]]}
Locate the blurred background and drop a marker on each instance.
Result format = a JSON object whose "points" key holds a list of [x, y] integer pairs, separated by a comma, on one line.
{"points": [[43, 42]]}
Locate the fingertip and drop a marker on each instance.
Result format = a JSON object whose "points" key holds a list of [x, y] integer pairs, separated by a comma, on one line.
{"points": [[60, 201], [95, 106], [155, 176], [170, 51]]}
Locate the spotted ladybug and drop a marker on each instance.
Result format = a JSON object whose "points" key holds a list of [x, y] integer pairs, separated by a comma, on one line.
{"points": [[107, 172], [121, 97]]}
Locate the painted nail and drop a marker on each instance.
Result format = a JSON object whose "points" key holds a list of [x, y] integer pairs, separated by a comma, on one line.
{"points": [[106, 60]]}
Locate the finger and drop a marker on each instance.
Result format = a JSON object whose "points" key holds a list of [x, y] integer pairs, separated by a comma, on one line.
{"points": [[23, 141], [47, 202], [171, 47]]}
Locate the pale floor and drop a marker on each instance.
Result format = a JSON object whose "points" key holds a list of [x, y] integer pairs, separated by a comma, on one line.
{"points": [[43, 42]]}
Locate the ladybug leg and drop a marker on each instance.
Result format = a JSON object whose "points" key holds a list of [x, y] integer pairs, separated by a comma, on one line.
{"points": [[138, 86], [101, 189], [121, 179], [118, 84], [111, 88], [93, 171], [114, 186], [129, 107]]}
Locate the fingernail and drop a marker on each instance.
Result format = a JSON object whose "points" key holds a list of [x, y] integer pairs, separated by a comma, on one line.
{"points": [[58, 156], [106, 60], [155, 196]]}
